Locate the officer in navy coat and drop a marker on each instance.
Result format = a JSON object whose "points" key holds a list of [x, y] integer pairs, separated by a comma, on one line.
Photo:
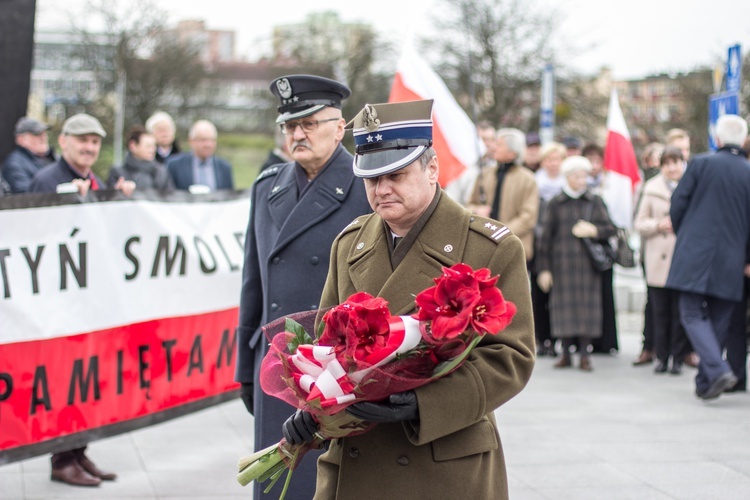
{"points": [[296, 211], [710, 213]]}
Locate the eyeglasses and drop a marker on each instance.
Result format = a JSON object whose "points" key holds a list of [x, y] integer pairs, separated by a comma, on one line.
{"points": [[288, 128]]}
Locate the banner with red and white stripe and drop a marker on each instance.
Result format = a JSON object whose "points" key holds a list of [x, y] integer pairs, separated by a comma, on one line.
{"points": [[455, 137], [114, 314]]}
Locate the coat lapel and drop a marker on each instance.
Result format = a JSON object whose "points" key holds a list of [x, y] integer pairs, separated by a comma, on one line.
{"points": [[326, 196], [187, 170], [282, 197]]}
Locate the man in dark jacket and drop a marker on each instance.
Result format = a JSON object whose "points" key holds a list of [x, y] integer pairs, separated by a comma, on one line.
{"points": [[80, 142], [201, 166], [710, 214], [31, 154], [296, 211]]}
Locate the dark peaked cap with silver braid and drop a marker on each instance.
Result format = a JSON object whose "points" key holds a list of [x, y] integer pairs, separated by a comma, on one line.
{"points": [[304, 95]]}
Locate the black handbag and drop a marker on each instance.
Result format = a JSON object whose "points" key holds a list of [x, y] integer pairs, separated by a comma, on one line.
{"points": [[601, 254], [625, 256]]}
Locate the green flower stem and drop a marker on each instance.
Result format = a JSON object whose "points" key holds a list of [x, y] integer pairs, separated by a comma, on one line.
{"points": [[447, 366], [259, 465]]}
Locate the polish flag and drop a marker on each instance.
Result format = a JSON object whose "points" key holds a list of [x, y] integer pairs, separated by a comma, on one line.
{"points": [[619, 155], [454, 135]]}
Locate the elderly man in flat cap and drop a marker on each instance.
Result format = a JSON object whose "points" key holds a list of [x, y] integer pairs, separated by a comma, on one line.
{"points": [[440, 440], [80, 142], [31, 154], [297, 209]]}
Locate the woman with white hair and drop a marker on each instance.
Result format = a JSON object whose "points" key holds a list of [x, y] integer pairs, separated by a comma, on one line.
{"points": [[163, 128], [565, 269]]}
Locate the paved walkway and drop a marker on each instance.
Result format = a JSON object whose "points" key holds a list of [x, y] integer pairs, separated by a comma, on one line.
{"points": [[619, 432], [623, 432]]}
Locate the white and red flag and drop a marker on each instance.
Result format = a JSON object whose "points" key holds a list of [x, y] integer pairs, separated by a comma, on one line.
{"points": [[619, 155], [454, 135]]}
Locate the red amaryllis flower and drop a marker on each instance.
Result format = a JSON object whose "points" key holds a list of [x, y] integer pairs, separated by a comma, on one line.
{"points": [[463, 298], [492, 313], [448, 304], [358, 327]]}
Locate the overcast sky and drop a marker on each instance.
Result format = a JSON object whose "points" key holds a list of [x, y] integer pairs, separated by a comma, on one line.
{"points": [[640, 38]]}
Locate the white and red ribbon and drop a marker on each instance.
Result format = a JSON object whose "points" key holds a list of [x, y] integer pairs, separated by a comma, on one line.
{"points": [[323, 378]]}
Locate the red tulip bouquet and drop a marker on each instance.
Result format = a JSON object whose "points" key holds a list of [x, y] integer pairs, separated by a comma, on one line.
{"points": [[362, 353]]}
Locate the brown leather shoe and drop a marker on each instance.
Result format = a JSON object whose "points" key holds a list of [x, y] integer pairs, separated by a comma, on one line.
{"points": [[646, 358], [692, 360], [73, 473], [586, 364], [563, 362], [92, 469]]}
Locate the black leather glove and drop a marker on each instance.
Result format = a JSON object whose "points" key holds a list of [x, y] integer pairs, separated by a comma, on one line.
{"points": [[300, 428], [399, 406], [246, 395]]}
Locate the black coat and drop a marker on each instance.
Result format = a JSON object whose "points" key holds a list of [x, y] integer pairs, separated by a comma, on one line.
{"points": [[287, 252], [173, 154], [271, 160], [710, 214], [21, 166], [47, 179]]}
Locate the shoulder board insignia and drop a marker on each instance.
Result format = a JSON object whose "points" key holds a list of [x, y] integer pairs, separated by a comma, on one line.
{"points": [[355, 224], [267, 173], [492, 229]]}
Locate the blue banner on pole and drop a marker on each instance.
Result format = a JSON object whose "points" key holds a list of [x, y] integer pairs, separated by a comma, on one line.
{"points": [[725, 103], [734, 68]]}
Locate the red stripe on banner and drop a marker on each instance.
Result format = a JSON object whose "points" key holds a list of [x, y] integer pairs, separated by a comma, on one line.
{"points": [[57, 387], [450, 167]]}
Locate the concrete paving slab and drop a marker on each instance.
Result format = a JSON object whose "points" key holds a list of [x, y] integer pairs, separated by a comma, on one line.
{"points": [[619, 432]]}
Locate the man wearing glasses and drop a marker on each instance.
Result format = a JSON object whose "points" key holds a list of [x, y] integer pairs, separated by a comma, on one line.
{"points": [[296, 210]]}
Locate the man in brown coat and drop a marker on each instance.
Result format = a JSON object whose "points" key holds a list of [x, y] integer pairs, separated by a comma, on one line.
{"points": [[511, 192], [440, 440]]}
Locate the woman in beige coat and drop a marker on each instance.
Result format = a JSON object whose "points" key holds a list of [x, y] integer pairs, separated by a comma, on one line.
{"points": [[655, 226]]}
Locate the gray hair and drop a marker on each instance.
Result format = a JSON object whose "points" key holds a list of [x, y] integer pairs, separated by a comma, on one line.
{"points": [[159, 117], [731, 129], [202, 124], [427, 157], [516, 141]]}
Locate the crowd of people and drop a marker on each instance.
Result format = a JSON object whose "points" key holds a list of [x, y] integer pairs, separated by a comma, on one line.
{"points": [[325, 223], [576, 199], [153, 160]]}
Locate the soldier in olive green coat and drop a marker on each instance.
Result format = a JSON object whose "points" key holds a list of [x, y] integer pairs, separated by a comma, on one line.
{"points": [[440, 440]]}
